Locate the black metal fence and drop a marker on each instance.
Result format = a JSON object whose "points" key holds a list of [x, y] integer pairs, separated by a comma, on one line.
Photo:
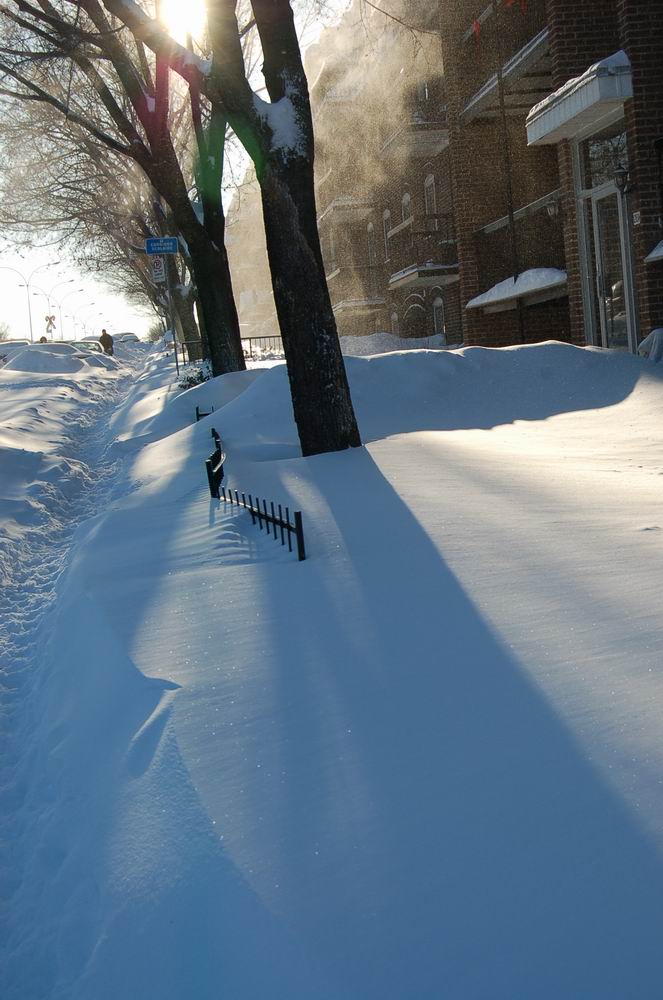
{"points": [[257, 347], [280, 522], [192, 350], [214, 466]]}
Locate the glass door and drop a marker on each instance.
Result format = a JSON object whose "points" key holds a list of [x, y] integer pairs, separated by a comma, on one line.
{"points": [[612, 282]]}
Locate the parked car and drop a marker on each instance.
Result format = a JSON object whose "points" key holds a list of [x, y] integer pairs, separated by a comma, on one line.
{"points": [[125, 337], [88, 345]]}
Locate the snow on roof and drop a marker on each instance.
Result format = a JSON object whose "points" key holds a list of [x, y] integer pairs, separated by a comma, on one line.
{"points": [[428, 265], [538, 279], [613, 65]]}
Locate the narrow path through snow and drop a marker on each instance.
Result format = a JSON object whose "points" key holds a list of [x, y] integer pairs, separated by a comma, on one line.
{"points": [[39, 556]]}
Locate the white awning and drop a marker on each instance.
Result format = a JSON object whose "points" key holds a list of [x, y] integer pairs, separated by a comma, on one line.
{"points": [[656, 254], [540, 284], [582, 102]]}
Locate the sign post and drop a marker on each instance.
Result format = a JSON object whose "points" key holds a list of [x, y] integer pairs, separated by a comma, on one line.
{"points": [[156, 247], [158, 268]]}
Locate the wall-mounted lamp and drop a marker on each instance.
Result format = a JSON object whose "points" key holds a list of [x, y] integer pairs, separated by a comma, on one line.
{"points": [[621, 178], [552, 208]]}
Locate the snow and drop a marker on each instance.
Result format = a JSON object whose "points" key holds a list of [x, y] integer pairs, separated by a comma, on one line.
{"points": [[613, 65], [385, 343], [538, 279], [652, 346], [34, 359], [428, 265], [283, 122], [425, 762], [656, 254]]}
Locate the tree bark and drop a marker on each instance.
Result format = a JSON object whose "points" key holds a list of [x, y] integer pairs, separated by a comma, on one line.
{"points": [[320, 392], [318, 382]]}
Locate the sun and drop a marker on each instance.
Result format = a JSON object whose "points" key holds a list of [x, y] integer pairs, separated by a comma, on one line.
{"points": [[183, 17]]}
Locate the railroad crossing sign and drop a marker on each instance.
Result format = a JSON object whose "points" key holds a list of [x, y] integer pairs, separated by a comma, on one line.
{"points": [[50, 323], [161, 244], [158, 268]]}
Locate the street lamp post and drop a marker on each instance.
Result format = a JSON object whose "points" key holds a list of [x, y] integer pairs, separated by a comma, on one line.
{"points": [[74, 291], [27, 282], [50, 298]]}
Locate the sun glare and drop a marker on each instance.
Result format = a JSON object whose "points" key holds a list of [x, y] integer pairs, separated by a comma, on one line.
{"points": [[183, 17]]}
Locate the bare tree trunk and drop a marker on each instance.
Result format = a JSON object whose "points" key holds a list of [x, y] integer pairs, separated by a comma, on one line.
{"points": [[320, 392], [318, 383], [185, 319], [210, 270]]}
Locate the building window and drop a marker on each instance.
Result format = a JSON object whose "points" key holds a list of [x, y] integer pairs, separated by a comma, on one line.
{"points": [[603, 154], [438, 318], [395, 326], [430, 202], [423, 93], [406, 206], [386, 226]]}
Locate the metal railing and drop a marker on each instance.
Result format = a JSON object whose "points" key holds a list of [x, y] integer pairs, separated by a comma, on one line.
{"points": [[280, 522], [256, 348]]}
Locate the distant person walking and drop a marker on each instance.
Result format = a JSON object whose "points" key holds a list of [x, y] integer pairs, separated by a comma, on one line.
{"points": [[106, 342]]}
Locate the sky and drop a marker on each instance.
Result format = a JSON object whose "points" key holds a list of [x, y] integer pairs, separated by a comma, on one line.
{"points": [[86, 304]]}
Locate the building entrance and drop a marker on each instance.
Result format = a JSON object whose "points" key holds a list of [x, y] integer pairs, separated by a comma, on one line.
{"points": [[610, 311]]}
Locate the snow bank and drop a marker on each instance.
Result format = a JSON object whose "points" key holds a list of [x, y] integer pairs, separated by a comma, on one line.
{"points": [[652, 346], [383, 343], [41, 361], [422, 763]]}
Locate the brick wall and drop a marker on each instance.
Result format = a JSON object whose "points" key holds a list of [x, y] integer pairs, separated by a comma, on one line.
{"points": [[640, 24], [479, 183], [581, 32]]}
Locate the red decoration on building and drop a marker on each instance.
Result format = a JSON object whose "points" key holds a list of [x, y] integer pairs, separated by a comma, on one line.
{"points": [[476, 28]]}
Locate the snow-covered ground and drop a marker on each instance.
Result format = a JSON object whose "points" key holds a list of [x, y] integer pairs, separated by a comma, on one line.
{"points": [[424, 763]]}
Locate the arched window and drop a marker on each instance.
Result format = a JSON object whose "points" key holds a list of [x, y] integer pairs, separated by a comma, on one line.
{"points": [[438, 318], [386, 226], [395, 325], [406, 206], [430, 202]]}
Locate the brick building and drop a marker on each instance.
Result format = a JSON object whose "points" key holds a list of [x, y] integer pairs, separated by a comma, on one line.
{"points": [[383, 173], [556, 123]]}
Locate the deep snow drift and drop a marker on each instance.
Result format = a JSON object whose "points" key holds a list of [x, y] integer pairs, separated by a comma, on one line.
{"points": [[424, 763]]}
